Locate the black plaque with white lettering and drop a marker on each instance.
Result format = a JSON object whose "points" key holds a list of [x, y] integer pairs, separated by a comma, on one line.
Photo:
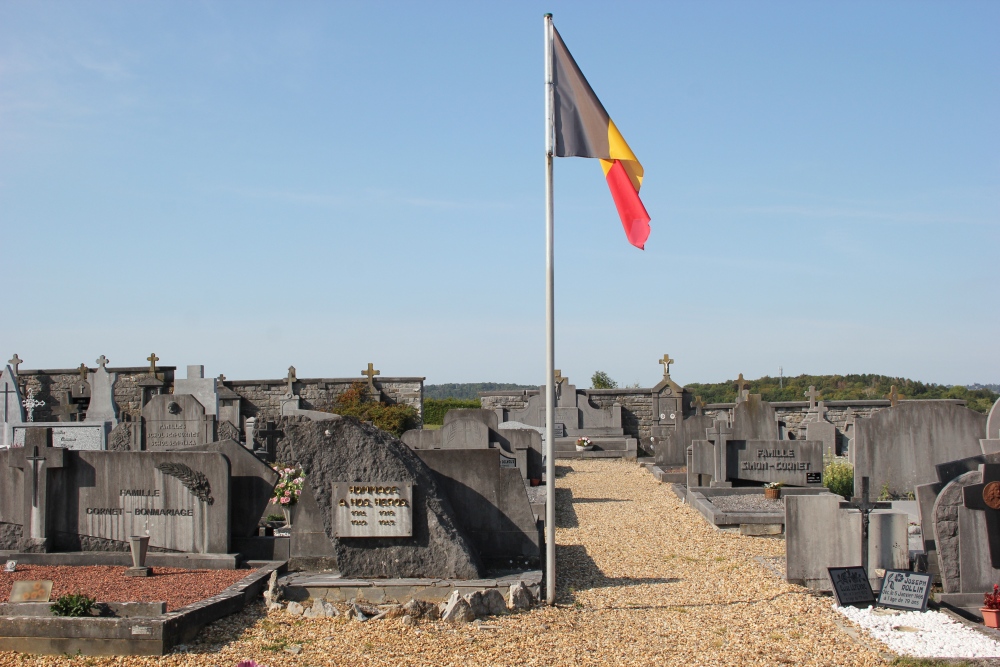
{"points": [[902, 589], [851, 586]]}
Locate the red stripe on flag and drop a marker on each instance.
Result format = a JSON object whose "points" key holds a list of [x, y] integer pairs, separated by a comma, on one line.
{"points": [[635, 220]]}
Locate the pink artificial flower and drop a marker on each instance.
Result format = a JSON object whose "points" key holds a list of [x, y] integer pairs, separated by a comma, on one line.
{"points": [[286, 500]]}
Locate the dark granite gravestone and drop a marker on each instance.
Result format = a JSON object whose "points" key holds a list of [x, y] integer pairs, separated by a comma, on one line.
{"points": [[898, 448], [172, 421], [966, 549], [851, 586], [348, 451], [790, 462]]}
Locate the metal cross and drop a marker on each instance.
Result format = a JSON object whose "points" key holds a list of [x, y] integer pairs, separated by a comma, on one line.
{"points": [[30, 404], [812, 394], [666, 361], [15, 361], [152, 359], [865, 506], [34, 458], [103, 361], [893, 396], [291, 380], [370, 374]]}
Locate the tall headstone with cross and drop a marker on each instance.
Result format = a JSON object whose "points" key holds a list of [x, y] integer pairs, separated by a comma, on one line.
{"points": [[206, 390], [812, 395], [81, 388], [37, 459], [865, 506], [819, 429], [291, 402], [102, 408], [11, 411], [707, 459], [370, 374], [967, 531], [15, 362], [742, 389]]}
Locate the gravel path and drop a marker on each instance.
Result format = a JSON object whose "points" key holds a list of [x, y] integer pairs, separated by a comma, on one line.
{"points": [[107, 583], [644, 580]]}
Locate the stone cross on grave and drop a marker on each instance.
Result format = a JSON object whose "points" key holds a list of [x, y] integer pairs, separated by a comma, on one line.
{"points": [[370, 374], [269, 434], [30, 404], [152, 359], [15, 361], [986, 497], [698, 404], [893, 396], [821, 410], [222, 378], [103, 361], [67, 409], [291, 380], [83, 372], [865, 506], [666, 361], [43, 457], [813, 395], [720, 434], [742, 389]]}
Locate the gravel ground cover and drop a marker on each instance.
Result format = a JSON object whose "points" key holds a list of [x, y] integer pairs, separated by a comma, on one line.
{"points": [[748, 503], [928, 634], [644, 580], [108, 583]]}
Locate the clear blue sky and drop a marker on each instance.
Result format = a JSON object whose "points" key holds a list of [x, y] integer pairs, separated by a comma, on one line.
{"points": [[258, 184]]}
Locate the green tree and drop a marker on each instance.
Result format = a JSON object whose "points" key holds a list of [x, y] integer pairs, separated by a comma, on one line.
{"points": [[601, 380]]}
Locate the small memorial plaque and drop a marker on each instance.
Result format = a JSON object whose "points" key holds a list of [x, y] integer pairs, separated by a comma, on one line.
{"points": [[373, 509], [814, 478], [851, 586], [507, 461], [11, 566], [902, 589], [31, 591]]}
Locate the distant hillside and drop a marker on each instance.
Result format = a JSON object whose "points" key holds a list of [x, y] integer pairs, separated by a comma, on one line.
{"points": [[995, 388], [842, 388], [470, 390]]}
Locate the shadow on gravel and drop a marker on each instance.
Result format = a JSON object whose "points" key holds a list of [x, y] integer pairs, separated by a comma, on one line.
{"points": [[578, 572], [565, 514], [600, 500], [562, 471], [225, 630]]}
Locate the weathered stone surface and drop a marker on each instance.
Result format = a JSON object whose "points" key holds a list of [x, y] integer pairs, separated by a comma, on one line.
{"points": [[754, 419], [295, 609], [961, 537], [408, 620], [355, 452], [316, 610], [329, 610], [457, 609], [520, 597]]}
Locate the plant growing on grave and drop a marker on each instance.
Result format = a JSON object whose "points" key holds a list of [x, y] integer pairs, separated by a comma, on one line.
{"points": [[774, 485], [289, 486], [601, 380], [992, 600], [73, 604], [356, 402], [838, 476], [436, 408]]}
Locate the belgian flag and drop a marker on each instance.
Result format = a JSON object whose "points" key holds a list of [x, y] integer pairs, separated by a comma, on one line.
{"points": [[584, 129]]}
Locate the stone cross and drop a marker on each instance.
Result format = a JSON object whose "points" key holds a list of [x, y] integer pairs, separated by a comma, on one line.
{"points": [[812, 394], [15, 361], [666, 361], [370, 374], [66, 409], [36, 466], [720, 435], [83, 372], [698, 404], [103, 361], [742, 388], [865, 506], [820, 411], [893, 396], [222, 378], [30, 404], [269, 434], [557, 377], [6, 392], [986, 497], [152, 359], [291, 379]]}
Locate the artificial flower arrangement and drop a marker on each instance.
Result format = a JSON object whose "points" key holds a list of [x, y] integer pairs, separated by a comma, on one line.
{"points": [[584, 443], [774, 485], [289, 486], [991, 608]]}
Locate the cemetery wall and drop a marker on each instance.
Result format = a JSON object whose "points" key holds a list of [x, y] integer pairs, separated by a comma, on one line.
{"points": [[262, 398], [637, 409], [51, 386]]}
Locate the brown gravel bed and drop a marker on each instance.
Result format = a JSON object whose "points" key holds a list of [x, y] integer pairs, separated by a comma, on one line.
{"points": [[107, 583], [644, 580]]}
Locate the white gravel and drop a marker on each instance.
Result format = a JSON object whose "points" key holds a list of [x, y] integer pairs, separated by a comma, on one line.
{"points": [[928, 634]]}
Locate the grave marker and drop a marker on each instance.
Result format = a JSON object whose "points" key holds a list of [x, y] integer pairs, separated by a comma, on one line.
{"points": [[31, 591], [851, 586], [370, 374], [906, 590], [373, 509], [986, 497], [15, 361], [863, 505]]}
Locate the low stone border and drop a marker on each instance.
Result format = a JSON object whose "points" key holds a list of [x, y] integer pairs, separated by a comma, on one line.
{"points": [[131, 635], [700, 498], [188, 561], [301, 586]]}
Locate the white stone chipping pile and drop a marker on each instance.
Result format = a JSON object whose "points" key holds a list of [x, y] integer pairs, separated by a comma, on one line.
{"points": [[928, 634]]}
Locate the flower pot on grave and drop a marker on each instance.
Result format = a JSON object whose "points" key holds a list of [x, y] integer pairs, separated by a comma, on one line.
{"points": [[991, 617], [287, 511], [139, 546], [772, 494], [584, 448]]}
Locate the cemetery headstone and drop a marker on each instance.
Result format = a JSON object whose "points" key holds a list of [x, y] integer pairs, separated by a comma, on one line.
{"points": [[851, 586], [906, 590], [102, 408], [204, 389], [373, 509], [754, 419], [791, 462], [31, 591], [173, 421]]}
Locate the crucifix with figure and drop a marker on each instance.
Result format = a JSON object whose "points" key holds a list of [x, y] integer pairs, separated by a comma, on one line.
{"points": [[865, 506], [666, 361], [43, 457], [290, 379]]}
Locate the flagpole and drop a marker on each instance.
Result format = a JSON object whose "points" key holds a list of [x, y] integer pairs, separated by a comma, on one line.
{"points": [[550, 408]]}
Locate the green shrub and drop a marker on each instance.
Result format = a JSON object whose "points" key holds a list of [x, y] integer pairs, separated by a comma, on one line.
{"points": [[601, 380], [435, 408], [838, 476], [73, 604], [394, 418]]}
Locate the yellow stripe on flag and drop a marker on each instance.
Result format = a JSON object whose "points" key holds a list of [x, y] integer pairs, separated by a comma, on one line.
{"points": [[618, 150]]}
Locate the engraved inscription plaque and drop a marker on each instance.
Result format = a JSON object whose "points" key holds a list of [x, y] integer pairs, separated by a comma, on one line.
{"points": [[373, 509]]}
